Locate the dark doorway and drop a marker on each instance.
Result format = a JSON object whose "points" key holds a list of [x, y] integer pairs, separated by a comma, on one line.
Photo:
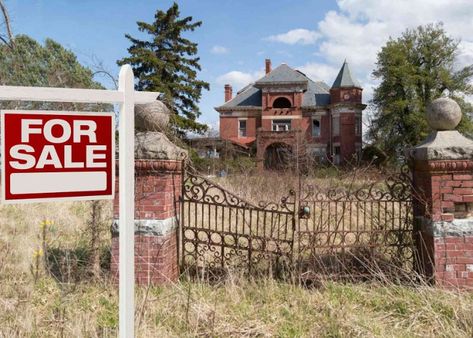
{"points": [[277, 156]]}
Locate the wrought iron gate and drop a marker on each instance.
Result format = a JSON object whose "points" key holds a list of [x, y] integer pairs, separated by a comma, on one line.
{"points": [[334, 232], [357, 231], [221, 231]]}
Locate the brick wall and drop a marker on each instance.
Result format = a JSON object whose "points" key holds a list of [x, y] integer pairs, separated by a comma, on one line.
{"points": [[158, 185], [228, 127], [454, 261], [338, 95], [155, 259], [441, 185], [442, 188], [347, 136]]}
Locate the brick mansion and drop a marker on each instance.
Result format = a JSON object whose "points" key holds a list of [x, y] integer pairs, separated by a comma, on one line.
{"points": [[285, 108]]}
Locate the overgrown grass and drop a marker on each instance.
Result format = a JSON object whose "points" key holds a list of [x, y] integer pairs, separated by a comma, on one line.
{"points": [[235, 307]]}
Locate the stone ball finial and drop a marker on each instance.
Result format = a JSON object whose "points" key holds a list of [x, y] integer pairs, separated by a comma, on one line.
{"points": [[151, 116], [443, 114]]}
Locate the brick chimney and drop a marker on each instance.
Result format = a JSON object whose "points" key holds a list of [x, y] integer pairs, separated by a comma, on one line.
{"points": [[228, 92], [268, 65]]}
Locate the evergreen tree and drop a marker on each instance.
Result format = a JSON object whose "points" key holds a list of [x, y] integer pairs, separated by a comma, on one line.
{"points": [[166, 63], [28, 63], [415, 69]]}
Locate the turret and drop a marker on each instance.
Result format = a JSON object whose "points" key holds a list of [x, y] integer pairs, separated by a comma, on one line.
{"points": [[345, 88]]}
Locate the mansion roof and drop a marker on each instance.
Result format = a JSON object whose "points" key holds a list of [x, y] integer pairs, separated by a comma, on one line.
{"points": [[316, 93]]}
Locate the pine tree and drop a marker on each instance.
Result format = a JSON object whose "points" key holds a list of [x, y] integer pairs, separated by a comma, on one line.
{"points": [[415, 69], [166, 63]]}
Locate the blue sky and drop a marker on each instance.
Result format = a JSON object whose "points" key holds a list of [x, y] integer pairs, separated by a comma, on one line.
{"points": [[236, 36]]}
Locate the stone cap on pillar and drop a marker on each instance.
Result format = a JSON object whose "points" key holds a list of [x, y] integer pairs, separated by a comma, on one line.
{"points": [[152, 116], [150, 143], [444, 143]]}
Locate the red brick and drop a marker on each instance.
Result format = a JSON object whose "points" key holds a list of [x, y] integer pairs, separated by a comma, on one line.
{"points": [[446, 177], [464, 260], [453, 184], [467, 198], [452, 197], [455, 253], [459, 240], [462, 177], [446, 190], [463, 191], [447, 217], [448, 206]]}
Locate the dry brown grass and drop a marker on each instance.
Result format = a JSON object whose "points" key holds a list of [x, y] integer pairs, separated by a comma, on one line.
{"points": [[236, 307]]}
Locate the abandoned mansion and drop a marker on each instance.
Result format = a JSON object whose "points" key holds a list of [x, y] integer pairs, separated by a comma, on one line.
{"points": [[286, 109]]}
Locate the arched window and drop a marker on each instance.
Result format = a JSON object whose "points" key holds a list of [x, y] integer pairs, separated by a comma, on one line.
{"points": [[315, 127], [281, 102]]}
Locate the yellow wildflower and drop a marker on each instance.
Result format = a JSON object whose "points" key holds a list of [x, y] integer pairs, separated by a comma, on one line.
{"points": [[45, 223], [38, 253]]}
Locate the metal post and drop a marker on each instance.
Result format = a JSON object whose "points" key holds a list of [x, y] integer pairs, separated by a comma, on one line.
{"points": [[127, 205]]}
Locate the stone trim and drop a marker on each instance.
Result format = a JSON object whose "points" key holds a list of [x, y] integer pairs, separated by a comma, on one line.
{"points": [[241, 114], [155, 166], [316, 114], [279, 117], [444, 166], [455, 228], [149, 227]]}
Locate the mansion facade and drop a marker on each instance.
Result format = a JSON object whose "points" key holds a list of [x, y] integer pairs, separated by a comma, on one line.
{"points": [[286, 108]]}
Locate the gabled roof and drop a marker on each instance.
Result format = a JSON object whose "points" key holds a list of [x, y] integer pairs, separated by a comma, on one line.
{"points": [[345, 79], [282, 74]]}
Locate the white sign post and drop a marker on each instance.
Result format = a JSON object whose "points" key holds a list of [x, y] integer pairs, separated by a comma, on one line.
{"points": [[127, 98]]}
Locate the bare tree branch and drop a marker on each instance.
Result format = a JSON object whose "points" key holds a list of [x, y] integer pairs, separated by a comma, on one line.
{"points": [[7, 24]]}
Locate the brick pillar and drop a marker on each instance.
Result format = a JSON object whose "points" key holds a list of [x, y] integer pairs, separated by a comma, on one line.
{"points": [[158, 185], [442, 169]]}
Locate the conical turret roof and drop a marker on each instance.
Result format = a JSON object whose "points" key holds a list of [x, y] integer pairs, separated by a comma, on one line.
{"points": [[345, 79]]}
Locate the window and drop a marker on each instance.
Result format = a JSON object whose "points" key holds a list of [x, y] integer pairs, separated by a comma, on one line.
{"points": [[281, 125], [337, 155], [281, 102], [242, 128], [357, 125], [336, 125], [315, 127]]}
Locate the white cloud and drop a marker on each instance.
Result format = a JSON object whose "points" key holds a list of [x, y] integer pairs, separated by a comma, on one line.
{"points": [[359, 28], [219, 50], [239, 79], [294, 36], [319, 72]]}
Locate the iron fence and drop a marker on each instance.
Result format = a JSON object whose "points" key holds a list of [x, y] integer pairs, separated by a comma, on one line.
{"points": [[314, 232]]}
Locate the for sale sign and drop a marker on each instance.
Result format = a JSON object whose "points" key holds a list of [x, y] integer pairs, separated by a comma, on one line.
{"points": [[57, 155]]}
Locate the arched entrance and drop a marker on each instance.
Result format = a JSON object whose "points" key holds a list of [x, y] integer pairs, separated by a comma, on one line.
{"points": [[277, 156]]}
